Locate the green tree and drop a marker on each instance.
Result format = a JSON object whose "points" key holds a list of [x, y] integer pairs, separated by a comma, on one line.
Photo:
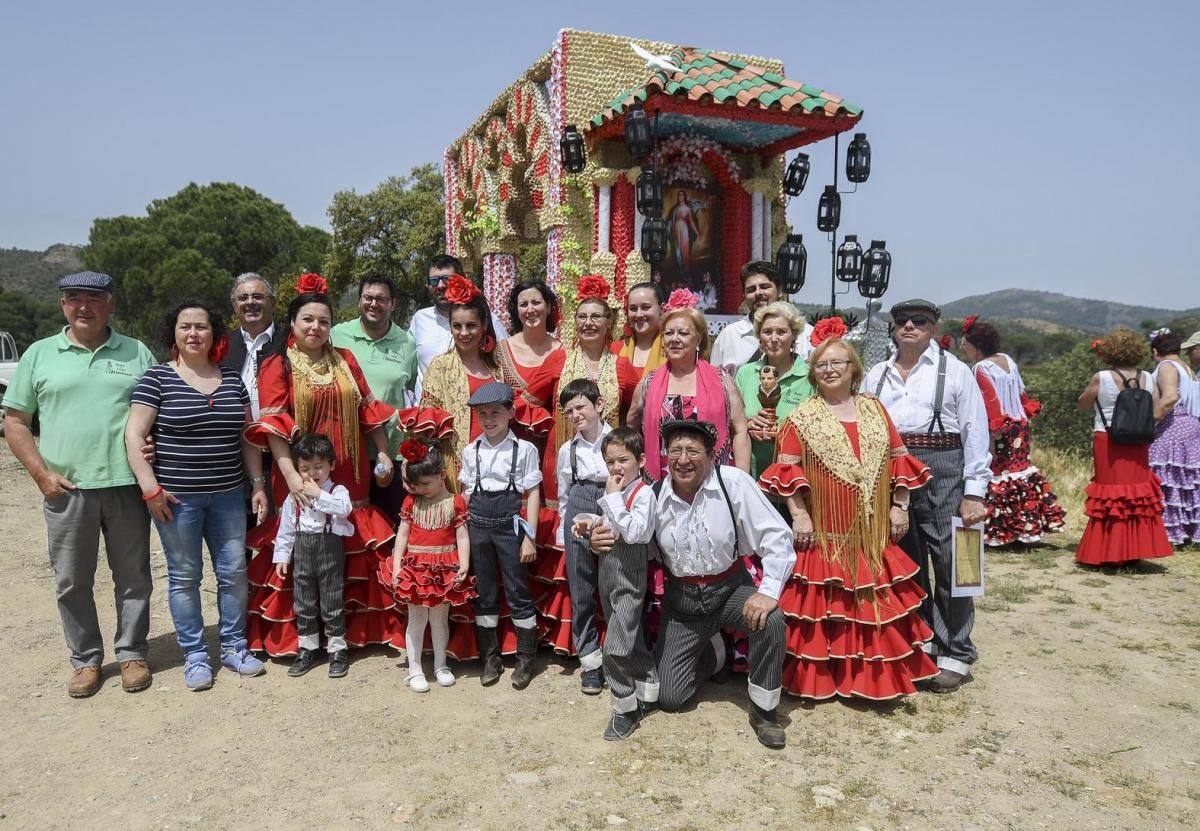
{"points": [[396, 228], [1057, 384], [26, 318], [193, 244]]}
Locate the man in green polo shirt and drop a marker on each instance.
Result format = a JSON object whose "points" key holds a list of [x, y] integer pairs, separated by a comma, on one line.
{"points": [[79, 383], [388, 357]]}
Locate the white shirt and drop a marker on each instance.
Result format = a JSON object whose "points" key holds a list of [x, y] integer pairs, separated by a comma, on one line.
{"points": [[589, 466], [737, 343], [1008, 386], [1106, 397], [250, 365], [431, 331], [635, 524], [495, 460], [333, 503], [698, 539], [910, 404], [1189, 390]]}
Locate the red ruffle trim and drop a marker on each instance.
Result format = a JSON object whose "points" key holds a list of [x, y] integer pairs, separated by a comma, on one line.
{"points": [[813, 566], [856, 678], [428, 580], [1112, 541], [845, 640], [1144, 499], [910, 472], [429, 422], [783, 479], [536, 420], [280, 424]]}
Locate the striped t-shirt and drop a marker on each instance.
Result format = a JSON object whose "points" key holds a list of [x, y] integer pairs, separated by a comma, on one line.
{"points": [[197, 437]]}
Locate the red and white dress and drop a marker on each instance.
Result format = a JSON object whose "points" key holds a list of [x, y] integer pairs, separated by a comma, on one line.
{"points": [[850, 605]]}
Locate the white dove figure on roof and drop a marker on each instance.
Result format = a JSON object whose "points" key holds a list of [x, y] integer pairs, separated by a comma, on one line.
{"points": [[654, 61]]}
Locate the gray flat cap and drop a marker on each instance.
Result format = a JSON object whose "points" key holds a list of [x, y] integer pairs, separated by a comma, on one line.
{"points": [[916, 305], [493, 393], [87, 280]]}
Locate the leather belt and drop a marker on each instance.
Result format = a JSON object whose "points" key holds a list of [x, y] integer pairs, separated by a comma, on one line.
{"points": [[932, 441], [709, 579]]}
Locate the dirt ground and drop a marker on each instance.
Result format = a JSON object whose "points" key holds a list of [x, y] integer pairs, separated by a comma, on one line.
{"points": [[1083, 714]]}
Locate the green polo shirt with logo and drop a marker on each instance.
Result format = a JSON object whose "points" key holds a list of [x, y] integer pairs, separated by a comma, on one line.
{"points": [[82, 400], [389, 364]]}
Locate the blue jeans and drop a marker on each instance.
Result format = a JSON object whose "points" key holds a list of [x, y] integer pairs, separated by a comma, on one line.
{"points": [[218, 519]]}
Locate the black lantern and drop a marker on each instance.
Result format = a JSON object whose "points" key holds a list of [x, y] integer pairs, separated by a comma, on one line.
{"points": [[796, 176], [649, 193], [849, 259], [574, 155], [876, 270], [639, 137], [791, 261], [858, 158], [829, 209], [654, 239]]}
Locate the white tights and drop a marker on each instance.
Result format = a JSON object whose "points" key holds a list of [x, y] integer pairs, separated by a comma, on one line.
{"points": [[438, 619]]}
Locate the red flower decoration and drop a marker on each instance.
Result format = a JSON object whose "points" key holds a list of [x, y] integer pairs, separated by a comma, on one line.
{"points": [[945, 342], [414, 450], [1032, 407], [968, 322], [592, 287], [460, 291], [219, 350], [1096, 344], [681, 299], [830, 327], [311, 283]]}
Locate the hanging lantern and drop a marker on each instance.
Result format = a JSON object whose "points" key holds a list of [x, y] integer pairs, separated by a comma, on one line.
{"points": [[876, 270], [829, 209], [654, 239], [791, 261], [639, 137], [649, 192], [796, 176], [574, 154], [858, 158], [849, 259]]}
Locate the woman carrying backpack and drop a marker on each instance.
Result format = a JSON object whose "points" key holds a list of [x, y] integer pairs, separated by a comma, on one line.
{"points": [[1124, 501], [1175, 454]]}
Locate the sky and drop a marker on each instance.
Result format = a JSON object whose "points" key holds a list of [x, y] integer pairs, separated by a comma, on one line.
{"points": [[1034, 145]]}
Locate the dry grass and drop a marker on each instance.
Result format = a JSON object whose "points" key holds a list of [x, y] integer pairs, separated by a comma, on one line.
{"points": [[1068, 474]]}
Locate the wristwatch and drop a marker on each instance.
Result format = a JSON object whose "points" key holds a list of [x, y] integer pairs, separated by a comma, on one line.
{"points": [[903, 507]]}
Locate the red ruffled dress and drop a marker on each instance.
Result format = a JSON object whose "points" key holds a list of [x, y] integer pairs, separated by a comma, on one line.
{"points": [[850, 634], [371, 614]]}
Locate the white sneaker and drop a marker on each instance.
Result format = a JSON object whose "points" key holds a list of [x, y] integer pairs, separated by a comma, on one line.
{"points": [[444, 676], [417, 683]]}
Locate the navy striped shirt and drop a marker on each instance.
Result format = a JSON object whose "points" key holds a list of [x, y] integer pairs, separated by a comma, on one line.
{"points": [[197, 437]]}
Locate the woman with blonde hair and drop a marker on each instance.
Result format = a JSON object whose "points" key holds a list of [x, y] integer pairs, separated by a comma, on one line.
{"points": [[1124, 501]]}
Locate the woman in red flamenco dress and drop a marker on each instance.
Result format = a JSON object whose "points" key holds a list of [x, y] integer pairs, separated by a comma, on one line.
{"points": [[852, 625], [1124, 502], [316, 388]]}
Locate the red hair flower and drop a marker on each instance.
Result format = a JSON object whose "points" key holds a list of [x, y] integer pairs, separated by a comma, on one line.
{"points": [[592, 287], [1096, 344], [1032, 407], [968, 322], [830, 327], [414, 450], [945, 342], [311, 283], [681, 299], [219, 350], [460, 291]]}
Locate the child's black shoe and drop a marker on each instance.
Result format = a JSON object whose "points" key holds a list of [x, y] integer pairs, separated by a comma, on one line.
{"points": [[339, 664], [306, 660]]}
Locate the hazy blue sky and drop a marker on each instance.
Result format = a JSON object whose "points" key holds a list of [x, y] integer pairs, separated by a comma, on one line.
{"points": [[1049, 145]]}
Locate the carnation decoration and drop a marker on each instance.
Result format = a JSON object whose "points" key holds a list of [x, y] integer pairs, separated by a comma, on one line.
{"points": [[826, 329], [413, 450], [945, 342], [311, 284], [968, 322], [681, 299], [460, 291], [592, 287], [1096, 344]]}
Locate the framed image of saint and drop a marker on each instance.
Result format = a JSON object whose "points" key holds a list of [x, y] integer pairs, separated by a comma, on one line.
{"points": [[693, 258]]}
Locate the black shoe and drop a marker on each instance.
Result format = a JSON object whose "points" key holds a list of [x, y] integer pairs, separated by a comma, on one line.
{"points": [[489, 654], [767, 728], [647, 707], [621, 726], [527, 644], [339, 664], [591, 681], [306, 660], [947, 681]]}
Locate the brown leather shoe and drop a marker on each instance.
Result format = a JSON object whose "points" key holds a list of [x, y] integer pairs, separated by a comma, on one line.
{"points": [[84, 683], [948, 681], [135, 676]]}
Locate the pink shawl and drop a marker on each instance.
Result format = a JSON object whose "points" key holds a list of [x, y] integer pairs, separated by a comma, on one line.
{"points": [[711, 403]]}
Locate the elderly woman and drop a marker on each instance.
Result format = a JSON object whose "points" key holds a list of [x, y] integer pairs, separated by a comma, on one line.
{"points": [[851, 603], [1021, 506], [643, 346], [1124, 501], [195, 410], [773, 385], [1175, 453]]}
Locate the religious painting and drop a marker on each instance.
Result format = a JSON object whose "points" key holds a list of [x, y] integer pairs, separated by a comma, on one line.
{"points": [[966, 564], [693, 258]]}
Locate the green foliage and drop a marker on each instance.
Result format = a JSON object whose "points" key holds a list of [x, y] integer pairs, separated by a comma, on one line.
{"points": [[531, 261], [1057, 384], [395, 229], [27, 318], [193, 244], [36, 273]]}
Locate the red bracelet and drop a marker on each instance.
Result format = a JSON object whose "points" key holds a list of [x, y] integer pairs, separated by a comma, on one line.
{"points": [[157, 491]]}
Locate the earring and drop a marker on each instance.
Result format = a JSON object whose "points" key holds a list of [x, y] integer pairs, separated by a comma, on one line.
{"points": [[488, 343]]}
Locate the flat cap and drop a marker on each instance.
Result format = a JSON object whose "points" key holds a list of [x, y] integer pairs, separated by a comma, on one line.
{"points": [[706, 431], [87, 280], [493, 393], [916, 305], [1194, 340]]}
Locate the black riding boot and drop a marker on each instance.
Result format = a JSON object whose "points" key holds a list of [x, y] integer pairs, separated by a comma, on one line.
{"points": [[527, 644], [489, 654]]}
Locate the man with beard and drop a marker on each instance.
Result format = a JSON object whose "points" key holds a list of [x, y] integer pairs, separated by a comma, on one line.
{"points": [[737, 345]]}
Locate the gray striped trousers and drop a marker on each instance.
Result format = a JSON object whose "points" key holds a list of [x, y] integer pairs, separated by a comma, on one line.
{"points": [[628, 665], [319, 586]]}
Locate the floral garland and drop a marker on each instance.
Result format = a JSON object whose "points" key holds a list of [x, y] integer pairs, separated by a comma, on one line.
{"points": [[680, 159]]}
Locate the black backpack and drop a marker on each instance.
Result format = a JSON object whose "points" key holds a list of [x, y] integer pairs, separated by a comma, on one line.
{"points": [[1133, 413]]}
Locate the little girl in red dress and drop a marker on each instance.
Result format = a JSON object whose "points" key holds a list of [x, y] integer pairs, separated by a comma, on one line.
{"points": [[432, 555]]}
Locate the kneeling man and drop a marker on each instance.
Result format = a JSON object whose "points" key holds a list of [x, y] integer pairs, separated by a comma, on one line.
{"points": [[708, 515]]}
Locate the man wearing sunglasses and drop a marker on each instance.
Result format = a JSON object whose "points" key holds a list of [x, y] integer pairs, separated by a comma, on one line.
{"points": [[936, 405], [430, 327]]}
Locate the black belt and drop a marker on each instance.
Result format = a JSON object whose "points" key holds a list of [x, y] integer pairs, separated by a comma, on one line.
{"points": [[932, 441]]}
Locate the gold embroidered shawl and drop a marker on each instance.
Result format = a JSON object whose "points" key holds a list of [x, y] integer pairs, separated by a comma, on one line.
{"points": [[575, 367], [445, 386], [325, 398]]}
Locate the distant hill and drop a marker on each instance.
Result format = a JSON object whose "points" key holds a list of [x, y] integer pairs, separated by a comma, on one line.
{"points": [[36, 273], [1069, 312]]}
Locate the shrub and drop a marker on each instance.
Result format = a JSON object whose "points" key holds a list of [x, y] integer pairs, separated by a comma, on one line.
{"points": [[1057, 384]]}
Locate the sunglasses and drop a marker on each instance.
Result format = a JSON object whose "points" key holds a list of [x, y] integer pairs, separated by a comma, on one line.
{"points": [[916, 320], [437, 281]]}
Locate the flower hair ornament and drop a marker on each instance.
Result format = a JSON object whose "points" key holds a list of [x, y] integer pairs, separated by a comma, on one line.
{"points": [[1158, 333], [1096, 344], [681, 299], [945, 342], [413, 450], [830, 327], [219, 350], [311, 284], [592, 287], [969, 322], [460, 291]]}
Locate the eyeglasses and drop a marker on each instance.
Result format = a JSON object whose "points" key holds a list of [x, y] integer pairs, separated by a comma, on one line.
{"points": [[596, 318], [246, 298], [373, 299], [916, 320], [691, 453], [836, 366], [438, 280]]}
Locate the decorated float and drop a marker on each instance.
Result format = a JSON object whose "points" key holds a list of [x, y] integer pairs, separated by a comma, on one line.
{"points": [[648, 161]]}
